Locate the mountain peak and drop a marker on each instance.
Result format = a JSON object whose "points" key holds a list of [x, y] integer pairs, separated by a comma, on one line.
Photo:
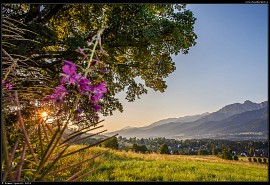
{"points": [[248, 102], [127, 127], [238, 108]]}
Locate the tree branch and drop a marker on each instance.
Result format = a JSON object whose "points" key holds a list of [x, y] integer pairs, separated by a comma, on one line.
{"points": [[51, 13], [33, 13]]}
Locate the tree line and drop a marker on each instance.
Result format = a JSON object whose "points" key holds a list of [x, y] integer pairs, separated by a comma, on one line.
{"points": [[224, 148]]}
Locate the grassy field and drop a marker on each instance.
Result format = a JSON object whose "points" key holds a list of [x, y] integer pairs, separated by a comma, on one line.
{"points": [[129, 166]]}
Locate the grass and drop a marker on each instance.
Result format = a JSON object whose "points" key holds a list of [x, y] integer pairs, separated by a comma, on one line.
{"points": [[129, 166]]}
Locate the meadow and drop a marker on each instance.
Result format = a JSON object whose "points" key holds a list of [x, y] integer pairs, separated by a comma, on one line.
{"points": [[129, 166]]}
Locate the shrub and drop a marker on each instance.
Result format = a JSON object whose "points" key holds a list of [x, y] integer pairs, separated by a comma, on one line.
{"points": [[249, 159], [226, 154], [202, 152], [235, 158], [163, 149], [264, 160], [214, 151], [260, 160], [111, 143], [254, 159]]}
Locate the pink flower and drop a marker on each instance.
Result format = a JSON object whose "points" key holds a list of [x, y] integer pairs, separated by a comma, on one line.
{"points": [[83, 84], [9, 86], [75, 78], [59, 94], [69, 68], [69, 73], [96, 108], [98, 91]]}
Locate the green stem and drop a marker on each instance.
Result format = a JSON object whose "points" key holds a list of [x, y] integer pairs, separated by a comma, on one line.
{"points": [[93, 52], [5, 148], [10, 68], [23, 128]]}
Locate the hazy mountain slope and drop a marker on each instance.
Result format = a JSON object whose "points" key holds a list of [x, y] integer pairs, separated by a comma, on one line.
{"points": [[153, 130], [234, 124], [234, 118]]}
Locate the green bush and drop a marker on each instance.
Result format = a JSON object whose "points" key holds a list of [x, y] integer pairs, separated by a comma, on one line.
{"points": [[260, 160], [235, 158], [226, 154], [111, 143], [163, 149], [249, 159], [214, 151], [254, 159], [264, 160], [203, 152]]}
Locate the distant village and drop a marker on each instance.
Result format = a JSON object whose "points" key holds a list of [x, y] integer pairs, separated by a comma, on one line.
{"points": [[197, 147]]}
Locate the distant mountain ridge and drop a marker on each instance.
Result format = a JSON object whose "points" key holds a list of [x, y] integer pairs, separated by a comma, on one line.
{"points": [[230, 121], [171, 120]]}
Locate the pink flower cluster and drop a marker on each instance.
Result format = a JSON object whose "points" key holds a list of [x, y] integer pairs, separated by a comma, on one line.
{"points": [[94, 92], [7, 84]]}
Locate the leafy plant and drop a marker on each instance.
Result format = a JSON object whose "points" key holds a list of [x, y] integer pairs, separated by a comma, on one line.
{"points": [[35, 140], [140, 40]]}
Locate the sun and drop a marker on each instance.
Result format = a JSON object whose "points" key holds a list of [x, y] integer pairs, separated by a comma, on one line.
{"points": [[44, 114]]}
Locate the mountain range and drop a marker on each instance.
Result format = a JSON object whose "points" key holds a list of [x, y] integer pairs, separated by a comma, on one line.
{"points": [[248, 120]]}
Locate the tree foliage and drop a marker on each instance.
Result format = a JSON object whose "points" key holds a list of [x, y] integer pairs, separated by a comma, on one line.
{"points": [[111, 143], [203, 152], [163, 149], [214, 151], [139, 148], [139, 40], [226, 154]]}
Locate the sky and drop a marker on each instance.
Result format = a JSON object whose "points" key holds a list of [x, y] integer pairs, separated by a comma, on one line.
{"points": [[229, 64]]}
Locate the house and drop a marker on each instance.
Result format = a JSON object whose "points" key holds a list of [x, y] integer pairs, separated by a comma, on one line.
{"points": [[243, 154]]}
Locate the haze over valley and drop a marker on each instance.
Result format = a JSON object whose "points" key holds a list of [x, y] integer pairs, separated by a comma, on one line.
{"points": [[242, 121]]}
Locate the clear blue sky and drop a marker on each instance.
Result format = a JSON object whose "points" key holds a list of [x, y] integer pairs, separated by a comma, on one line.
{"points": [[229, 64]]}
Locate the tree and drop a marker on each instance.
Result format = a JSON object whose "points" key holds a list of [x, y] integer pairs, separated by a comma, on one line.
{"points": [[139, 148], [226, 154], [135, 147], [214, 151], [111, 143], [143, 149], [176, 152], [163, 149], [139, 40], [251, 151], [202, 152]]}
